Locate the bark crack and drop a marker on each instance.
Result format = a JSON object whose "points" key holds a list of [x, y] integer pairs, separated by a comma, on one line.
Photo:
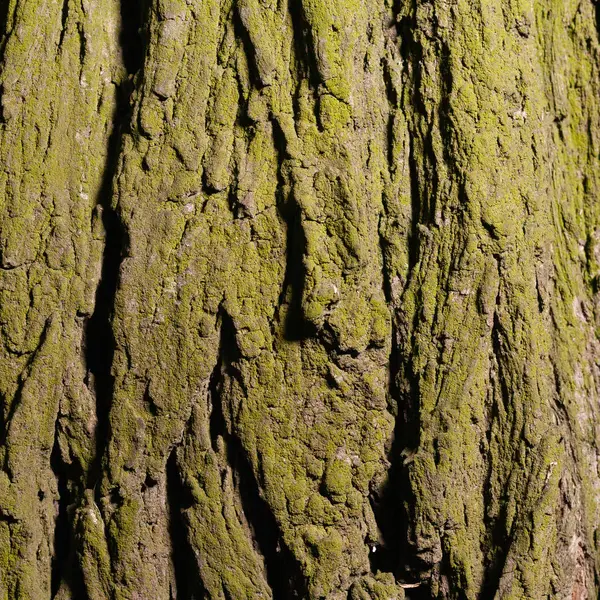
{"points": [[282, 571], [188, 581], [99, 341]]}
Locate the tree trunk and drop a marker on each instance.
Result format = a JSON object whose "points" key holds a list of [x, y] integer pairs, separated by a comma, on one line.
{"points": [[299, 299]]}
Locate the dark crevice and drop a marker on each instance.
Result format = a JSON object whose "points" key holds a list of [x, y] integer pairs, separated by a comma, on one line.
{"points": [[422, 592], [500, 542], [217, 425], [297, 327], [99, 342], [444, 108], [99, 338], [64, 16], [132, 36], [393, 102], [82, 46], [229, 355], [238, 210], [414, 244], [393, 501], [412, 54], [424, 189], [242, 34], [405, 27], [188, 581], [280, 143], [283, 572], [63, 570], [385, 268], [62, 533], [149, 403], [4, 4], [304, 54], [8, 518]]}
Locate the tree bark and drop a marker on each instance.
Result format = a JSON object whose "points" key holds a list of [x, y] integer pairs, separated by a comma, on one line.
{"points": [[299, 299]]}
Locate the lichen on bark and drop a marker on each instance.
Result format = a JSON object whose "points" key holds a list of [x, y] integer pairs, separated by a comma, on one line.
{"points": [[299, 299]]}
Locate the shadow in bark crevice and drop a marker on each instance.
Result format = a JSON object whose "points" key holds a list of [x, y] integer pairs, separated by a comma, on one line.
{"points": [[63, 22], [4, 6], [133, 34], [303, 53], [412, 54], [393, 104], [243, 34], [282, 570], [63, 571], [391, 503], [98, 343], [98, 340], [188, 581], [500, 542], [296, 326]]}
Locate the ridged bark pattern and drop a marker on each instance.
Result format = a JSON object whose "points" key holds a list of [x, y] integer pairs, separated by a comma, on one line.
{"points": [[299, 299]]}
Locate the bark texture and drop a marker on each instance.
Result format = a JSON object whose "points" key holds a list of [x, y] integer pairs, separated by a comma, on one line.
{"points": [[299, 299]]}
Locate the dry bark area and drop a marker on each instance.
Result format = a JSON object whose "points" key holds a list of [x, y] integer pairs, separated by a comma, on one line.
{"points": [[299, 299]]}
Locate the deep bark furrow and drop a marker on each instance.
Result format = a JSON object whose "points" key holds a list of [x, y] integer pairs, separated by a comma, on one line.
{"points": [[187, 584], [65, 573]]}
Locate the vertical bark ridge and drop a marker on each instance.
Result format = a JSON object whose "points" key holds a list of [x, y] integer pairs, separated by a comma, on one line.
{"points": [[486, 231], [212, 183], [60, 71]]}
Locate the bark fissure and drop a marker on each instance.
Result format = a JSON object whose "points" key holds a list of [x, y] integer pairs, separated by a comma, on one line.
{"points": [[283, 574], [99, 342], [296, 326], [282, 571], [132, 34], [64, 23], [62, 533], [501, 541], [188, 581], [65, 573]]}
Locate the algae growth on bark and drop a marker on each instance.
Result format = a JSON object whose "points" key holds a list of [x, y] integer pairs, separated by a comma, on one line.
{"points": [[299, 299]]}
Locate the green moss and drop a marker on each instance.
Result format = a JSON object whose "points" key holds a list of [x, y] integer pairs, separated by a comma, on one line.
{"points": [[151, 117], [333, 113], [338, 479]]}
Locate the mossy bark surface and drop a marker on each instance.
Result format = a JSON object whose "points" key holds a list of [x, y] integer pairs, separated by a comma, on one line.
{"points": [[299, 299]]}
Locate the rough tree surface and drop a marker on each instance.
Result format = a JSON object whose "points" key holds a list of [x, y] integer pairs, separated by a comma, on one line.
{"points": [[299, 299]]}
